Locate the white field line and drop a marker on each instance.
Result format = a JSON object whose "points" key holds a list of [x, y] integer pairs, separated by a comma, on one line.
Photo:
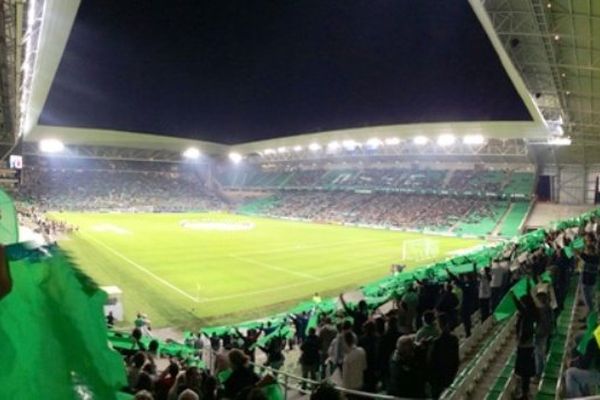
{"points": [[316, 246], [282, 287], [275, 268], [144, 270]]}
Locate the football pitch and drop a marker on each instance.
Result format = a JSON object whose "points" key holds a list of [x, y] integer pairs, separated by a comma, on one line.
{"points": [[201, 269]]}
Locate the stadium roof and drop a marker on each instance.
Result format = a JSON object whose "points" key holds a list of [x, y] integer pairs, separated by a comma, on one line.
{"points": [[502, 20], [54, 37]]}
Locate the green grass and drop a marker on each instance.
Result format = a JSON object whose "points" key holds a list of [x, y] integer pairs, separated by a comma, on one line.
{"points": [[189, 278]]}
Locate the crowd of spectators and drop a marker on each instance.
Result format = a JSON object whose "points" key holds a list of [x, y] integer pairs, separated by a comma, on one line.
{"points": [[50, 229], [115, 185], [390, 210], [411, 349], [417, 179]]}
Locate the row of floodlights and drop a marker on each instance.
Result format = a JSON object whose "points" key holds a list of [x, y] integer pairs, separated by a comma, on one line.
{"points": [[191, 153], [374, 143]]}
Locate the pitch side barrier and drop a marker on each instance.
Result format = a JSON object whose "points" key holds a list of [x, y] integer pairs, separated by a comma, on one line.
{"points": [[509, 252]]}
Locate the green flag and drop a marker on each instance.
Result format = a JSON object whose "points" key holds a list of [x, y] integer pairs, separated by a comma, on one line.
{"points": [[53, 332]]}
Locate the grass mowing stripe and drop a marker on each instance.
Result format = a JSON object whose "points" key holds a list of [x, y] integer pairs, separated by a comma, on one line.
{"points": [[274, 267], [220, 289], [143, 269], [292, 285]]}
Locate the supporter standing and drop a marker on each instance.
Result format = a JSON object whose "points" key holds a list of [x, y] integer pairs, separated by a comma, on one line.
{"points": [[499, 274], [359, 316], [327, 334], [443, 359], [369, 341], [485, 292], [467, 283], [447, 304], [406, 377], [311, 355], [355, 364], [242, 375], [526, 319], [589, 275]]}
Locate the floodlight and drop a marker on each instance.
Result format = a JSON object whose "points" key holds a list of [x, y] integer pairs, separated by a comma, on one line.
{"points": [[446, 140], [560, 141], [473, 139], [192, 153], [392, 141], [51, 146], [236, 158], [420, 140], [333, 146], [297, 148], [281, 150], [314, 147], [374, 143], [269, 151], [350, 144]]}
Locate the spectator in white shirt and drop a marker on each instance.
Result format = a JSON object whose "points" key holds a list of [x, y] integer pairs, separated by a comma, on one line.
{"points": [[485, 292], [498, 273], [355, 364]]}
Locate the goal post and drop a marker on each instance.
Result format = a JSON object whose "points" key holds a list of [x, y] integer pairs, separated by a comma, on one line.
{"points": [[419, 249]]}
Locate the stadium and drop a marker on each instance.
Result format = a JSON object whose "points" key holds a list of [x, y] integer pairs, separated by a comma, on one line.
{"points": [[299, 200]]}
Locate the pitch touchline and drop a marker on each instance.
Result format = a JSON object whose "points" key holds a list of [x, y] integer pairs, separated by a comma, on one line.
{"points": [[273, 267], [141, 268]]}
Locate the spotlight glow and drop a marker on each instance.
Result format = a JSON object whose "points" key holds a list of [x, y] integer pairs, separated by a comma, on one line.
{"points": [[420, 140], [281, 150], [269, 151], [314, 147], [446, 140], [51, 146], [297, 148], [333, 146], [236, 158], [392, 141], [473, 139], [192, 153], [374, 143], [350, 144]]}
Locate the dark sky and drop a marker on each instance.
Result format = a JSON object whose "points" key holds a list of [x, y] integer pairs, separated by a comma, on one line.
{"points": [[233, 71]]}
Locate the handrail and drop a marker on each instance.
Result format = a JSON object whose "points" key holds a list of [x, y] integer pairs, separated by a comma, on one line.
{"points": [[568, 341], [287, 377]]}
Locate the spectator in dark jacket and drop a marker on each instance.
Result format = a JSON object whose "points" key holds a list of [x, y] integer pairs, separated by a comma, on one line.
{"points": [[360, 315], [526, 319], [241, 376], [387, 344], [369, 341], [467, 283], [447, 304], [443, 359], [311, 355], [406, 376]]}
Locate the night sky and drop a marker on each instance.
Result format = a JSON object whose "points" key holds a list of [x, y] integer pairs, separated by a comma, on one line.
{"points": [[242, 70]]}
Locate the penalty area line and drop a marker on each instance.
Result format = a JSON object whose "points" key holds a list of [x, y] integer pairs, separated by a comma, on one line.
{"points": [[144, 270]]}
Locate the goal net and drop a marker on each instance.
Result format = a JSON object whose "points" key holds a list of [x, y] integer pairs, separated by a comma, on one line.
{"points": [[419, 249]]}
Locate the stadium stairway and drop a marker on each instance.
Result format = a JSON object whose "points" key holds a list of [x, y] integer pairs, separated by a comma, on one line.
{"points": [[513, 219], [479, 372], [551, 379], [501, 220]]}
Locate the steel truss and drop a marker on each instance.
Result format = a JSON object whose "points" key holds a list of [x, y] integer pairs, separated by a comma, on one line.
{"points": [[555, 45]]}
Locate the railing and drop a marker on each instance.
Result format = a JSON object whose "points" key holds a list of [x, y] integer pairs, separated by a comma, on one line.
{"points": [[294, 382]]}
